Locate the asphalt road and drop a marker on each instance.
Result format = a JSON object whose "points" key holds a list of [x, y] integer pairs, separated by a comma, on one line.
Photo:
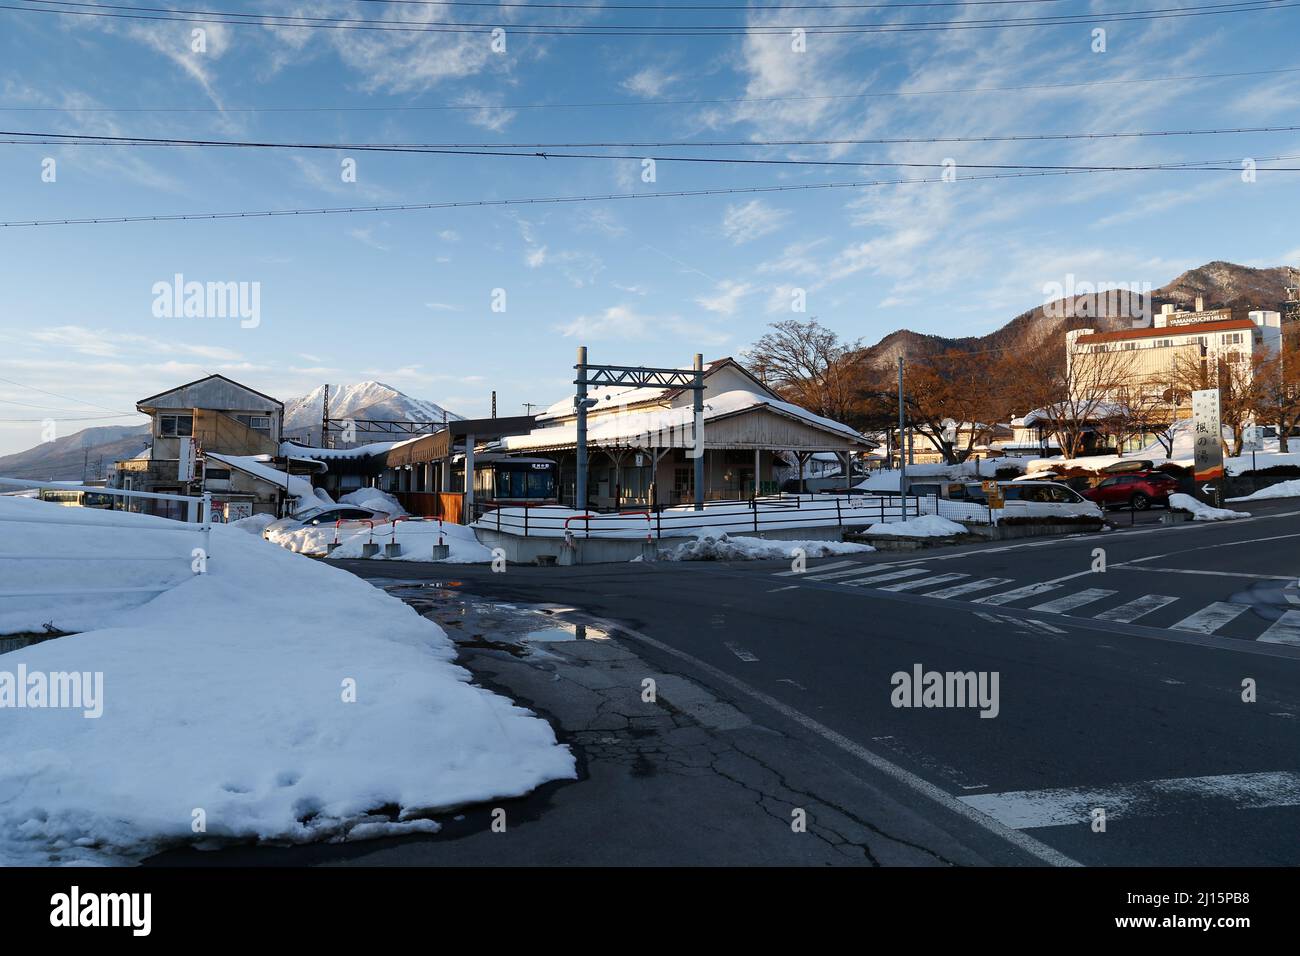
{"points": [[1128, 715], [1119, 691]]}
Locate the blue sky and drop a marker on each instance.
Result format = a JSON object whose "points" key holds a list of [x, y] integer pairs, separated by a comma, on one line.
{"points": [[405, 297]]}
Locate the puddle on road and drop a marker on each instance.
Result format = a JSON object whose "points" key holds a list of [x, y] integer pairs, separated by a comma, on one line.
{"points": [[473, 621]]}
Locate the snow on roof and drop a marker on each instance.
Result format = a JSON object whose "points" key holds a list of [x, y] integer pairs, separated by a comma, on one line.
{"points": [[258, 467], [667, 425], [293, 449]]}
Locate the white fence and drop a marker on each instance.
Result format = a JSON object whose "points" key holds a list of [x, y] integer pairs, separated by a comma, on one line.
{"points": [[755, 515]]}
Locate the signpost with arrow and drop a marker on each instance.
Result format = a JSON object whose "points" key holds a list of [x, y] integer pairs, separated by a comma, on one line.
{"points": [[1207, 430]]}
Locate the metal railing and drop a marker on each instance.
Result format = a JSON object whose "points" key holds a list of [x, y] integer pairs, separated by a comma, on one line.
{"points": [[751, 515]]}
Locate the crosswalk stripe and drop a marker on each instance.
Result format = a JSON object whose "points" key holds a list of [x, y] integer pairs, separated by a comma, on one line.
{"points": [[856, 569], [1127, 613], [1285, 630], [958, 589], [891, 576], [1071, 601], [1006, 597], [824, 567], [1210, 618], [922, 582]]}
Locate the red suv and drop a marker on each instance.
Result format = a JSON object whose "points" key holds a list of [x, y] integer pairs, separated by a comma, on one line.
{"points": [[1139, 490]]}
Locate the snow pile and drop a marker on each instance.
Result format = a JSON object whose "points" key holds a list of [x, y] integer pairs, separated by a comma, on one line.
{"points": [[1283, 489], [716, 545], [417, 538], [1201, 511], [375, 500], [926, 526], [253, 524], [271, 698], [65, 568]]}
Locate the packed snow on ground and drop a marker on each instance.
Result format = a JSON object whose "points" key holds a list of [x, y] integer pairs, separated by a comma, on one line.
{"points": [[926, 526], [223, 700], [1283, 489], [417, 538], [375, 500], [1201, 511], [253, 524], [714, 544]]}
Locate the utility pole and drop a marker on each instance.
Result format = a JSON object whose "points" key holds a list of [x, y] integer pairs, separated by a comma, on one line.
{"points": [[528, 407], [699, 431], [325, 418], [494, 403], [902, 462], [580, 404]]}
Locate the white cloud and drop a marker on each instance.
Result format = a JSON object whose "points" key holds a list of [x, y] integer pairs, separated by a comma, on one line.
{"points": [[726, 299], [649, 82], [748, 221]]}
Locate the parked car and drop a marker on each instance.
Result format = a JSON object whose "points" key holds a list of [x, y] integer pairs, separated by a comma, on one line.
{"points": [[1138, 491], [1038, 499], [325, 515]]}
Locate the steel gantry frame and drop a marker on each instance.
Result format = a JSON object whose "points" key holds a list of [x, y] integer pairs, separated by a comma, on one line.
{"points": [[691, 379]]}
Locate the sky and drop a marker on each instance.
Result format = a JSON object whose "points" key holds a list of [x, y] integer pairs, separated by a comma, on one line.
{"points": [[450, 304]]}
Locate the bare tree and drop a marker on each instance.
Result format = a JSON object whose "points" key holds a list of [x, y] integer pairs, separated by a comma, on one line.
{"points": [[1239, 381], [1071, 398], [1278, 388], [808, 365]]}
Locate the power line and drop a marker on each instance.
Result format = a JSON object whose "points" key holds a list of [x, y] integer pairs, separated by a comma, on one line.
{"points": [[91, 418], [1187, 165], [667, 8], [610, 30], [70, 138], [539, 201], [67, 398], [1032, 87]]}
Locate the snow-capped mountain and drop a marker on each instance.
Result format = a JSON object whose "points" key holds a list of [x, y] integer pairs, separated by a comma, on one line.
{"points": [[88, 453], [302, 416]]}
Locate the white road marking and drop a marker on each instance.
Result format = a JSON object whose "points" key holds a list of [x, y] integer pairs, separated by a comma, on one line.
{"points": [[1217, 574], [982, 585], [1285, 630], [1127, 613], [1021, 841], [922, 582], [856, 569], [788, 587], [1006, 597], [746, 656], [1071, 601], [1209, 619], [891, 576], [1026, 809], [1041, 625], [824, 567]]}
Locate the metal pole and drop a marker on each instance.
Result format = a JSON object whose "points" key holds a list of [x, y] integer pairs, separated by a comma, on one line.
{"points": [[580, 494], [902, 462], [699, 432], [469, 478]]}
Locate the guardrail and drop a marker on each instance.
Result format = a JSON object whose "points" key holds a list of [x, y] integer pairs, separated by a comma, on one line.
{"points": [[752, 515]]}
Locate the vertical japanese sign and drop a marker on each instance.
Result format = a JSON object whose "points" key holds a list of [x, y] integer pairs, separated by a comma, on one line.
{"points": [[1207, 429], [185, 464]]}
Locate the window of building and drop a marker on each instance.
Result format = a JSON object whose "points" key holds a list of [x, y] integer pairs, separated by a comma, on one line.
{"points": [[1233, 339], [217, 474], [258, 423], [175, 426]]}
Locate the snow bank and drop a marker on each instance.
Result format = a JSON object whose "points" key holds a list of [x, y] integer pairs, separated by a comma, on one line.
{"points": [[926, 526], [375, 500], [225, 700], [716, 545], [1284, 489], [417, 539], [1201, 511], [253, 524]]}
